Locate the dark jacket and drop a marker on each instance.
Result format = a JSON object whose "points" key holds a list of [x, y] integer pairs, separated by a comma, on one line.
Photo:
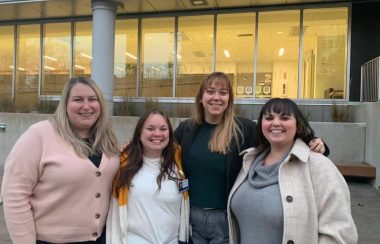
{"points": [[187, 129]]}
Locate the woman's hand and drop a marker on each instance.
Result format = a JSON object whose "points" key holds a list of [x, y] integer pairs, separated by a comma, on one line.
{"points": [[126, 143], [317, 145]]}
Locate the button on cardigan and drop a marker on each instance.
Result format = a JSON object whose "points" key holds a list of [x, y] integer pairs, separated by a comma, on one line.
{"points": [[50, 193]]}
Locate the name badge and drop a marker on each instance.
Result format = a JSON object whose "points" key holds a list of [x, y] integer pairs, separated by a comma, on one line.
{"points": [[183, 185]]}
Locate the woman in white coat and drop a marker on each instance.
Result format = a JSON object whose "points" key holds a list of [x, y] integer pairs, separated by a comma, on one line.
{"points": [[286, 193]]}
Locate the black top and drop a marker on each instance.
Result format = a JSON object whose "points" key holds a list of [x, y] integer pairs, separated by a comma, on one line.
{"points": [[95, 158], [186, 131]]}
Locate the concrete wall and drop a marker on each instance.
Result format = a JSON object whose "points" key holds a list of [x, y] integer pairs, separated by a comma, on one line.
{"points": [[369, 113], [346, 147]]}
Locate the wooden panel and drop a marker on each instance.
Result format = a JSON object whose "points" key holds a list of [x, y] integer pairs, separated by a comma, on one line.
{"points": [[357, 169]]}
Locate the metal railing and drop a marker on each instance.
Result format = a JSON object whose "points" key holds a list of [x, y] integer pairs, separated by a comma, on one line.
{"points": [[370, 79]]}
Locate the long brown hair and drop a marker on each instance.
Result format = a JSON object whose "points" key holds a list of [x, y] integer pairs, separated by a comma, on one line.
{"points": [[134, 155], [228, 129]]}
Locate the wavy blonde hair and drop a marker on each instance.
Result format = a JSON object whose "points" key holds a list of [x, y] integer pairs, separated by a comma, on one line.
{"points": [[102, 137], [227, 130]]}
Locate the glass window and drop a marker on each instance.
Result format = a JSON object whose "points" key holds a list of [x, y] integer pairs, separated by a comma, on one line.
{"points": [[56, 58], [6, 62], [324, 53], [157, 57], [125, 70], [83, 49], [277, 57], [194, 52], [235, 50], [28, 65]]}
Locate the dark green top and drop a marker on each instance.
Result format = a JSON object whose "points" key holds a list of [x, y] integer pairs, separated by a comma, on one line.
{"points": [[206, 172]]}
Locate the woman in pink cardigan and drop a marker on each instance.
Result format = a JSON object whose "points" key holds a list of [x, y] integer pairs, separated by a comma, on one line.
{"points": [[58, 176]]}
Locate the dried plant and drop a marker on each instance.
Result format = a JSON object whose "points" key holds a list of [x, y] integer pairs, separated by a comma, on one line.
{"points": [[339, 113], [46, 106], [151, 103], [123, 108], [7, 105]]}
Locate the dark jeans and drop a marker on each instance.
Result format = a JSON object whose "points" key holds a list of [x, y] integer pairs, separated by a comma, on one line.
{"points": [[209, 226], [100, 240]]}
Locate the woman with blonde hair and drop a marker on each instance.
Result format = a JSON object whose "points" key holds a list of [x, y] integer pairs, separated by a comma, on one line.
{"points": [[58, 176], [211, 143]]}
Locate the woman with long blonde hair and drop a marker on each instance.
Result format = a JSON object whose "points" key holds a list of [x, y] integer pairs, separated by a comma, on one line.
{"points": [[211, 143], [58, 176]]}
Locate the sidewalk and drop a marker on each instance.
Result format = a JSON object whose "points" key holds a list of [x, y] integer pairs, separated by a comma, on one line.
{"points": [[365, 209]]}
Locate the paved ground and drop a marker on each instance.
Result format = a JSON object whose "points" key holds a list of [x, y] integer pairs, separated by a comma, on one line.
{"points": [[365, 209]]}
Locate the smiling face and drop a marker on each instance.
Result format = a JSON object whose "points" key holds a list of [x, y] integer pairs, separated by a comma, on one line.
{"points": [[279, 129], [83, 109], [215, 100], [154, 135]]}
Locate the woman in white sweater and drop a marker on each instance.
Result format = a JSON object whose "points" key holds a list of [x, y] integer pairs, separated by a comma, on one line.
{"points": [[58, 176], [285, 193], [150, 203]]}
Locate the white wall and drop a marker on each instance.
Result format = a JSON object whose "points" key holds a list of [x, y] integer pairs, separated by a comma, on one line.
{"points": [[369, 113]]}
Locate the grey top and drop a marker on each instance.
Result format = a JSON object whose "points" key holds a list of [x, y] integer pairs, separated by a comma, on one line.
{"points": [[257, 204]]}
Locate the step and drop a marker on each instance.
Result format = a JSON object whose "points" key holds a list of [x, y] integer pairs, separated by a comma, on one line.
{"points": [[364, 170]]}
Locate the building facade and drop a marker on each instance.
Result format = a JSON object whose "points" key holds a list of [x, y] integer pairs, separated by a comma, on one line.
{"points": [[305, 50]]}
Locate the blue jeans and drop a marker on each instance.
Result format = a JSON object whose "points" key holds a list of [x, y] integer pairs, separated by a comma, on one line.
{"points": [[209, 226]]}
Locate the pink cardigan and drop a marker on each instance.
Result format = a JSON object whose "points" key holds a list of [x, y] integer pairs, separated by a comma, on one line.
{"points": [[52, 194]]}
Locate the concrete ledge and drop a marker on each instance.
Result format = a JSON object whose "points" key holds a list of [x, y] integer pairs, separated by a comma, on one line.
{"points": [[364, 170]]}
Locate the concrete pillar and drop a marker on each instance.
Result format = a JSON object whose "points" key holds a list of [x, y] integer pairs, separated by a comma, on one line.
{"points": [[103, 46]]}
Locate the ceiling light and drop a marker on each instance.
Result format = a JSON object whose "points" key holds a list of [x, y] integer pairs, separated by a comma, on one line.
{"points": [[79, 67], [50, 58], [130, 55], [85, 55], [226, 53], [49, 68], [20, 1], [179, 56], [120, 69], [12, 67], [199, 2], [281, 52]]}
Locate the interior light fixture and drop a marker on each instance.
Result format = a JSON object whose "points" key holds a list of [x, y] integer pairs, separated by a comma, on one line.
{"points": [[281, 52], [199, 2], [19, 68], [179, 56], [120, 69], [49, 68], [85, 55], [79, 67], [20, 1], [226, 53], [50, 58], [157, 69], [130, 55]]}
